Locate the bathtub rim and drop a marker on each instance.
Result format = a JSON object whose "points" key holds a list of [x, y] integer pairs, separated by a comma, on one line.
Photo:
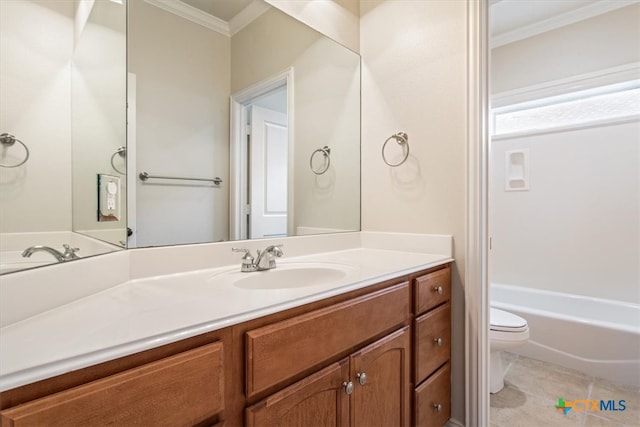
{"points": [[572, 297]]}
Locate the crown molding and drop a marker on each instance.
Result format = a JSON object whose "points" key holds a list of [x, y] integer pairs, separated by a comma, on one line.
{"points": [[192, 14], [255, 9], [580, 82], [577, 15]]}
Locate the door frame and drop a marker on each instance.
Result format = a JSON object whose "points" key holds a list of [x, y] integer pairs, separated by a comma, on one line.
{"points": [[238, 153], [131, 117], [477, 248]]}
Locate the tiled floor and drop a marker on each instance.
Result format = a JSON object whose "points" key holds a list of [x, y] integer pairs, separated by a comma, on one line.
{"points": [[532, 389]]}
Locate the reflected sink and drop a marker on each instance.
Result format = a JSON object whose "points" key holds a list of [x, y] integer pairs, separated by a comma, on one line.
{"points": [[288, 276]]}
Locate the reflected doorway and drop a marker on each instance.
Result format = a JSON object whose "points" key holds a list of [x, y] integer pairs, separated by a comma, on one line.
{"points": [[266, 171], [261, 156]]}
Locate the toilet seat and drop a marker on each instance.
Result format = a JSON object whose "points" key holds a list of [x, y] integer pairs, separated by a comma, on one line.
{"points": [[503, 321], [507, 331]]}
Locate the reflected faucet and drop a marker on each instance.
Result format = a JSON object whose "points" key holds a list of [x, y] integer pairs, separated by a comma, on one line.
{"points": [[265, 260], [68, 254]]}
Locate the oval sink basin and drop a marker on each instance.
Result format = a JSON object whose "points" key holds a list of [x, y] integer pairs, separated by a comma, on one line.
{"points": [[291, 276]]}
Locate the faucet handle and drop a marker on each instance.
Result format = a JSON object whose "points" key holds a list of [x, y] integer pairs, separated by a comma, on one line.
{"points": [[247, 252], [69, 252], [247, 259]]}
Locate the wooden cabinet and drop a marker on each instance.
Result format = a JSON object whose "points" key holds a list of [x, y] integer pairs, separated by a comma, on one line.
{"points": [[318, 400], [432, 341], [380, 373], [281, 350], [432, 348], [432, 399], [388, 345], [181, 390], [369, 388]]}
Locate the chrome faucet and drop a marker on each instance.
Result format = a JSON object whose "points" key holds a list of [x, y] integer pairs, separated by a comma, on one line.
{"points": [[266, 259], [68, 254]]}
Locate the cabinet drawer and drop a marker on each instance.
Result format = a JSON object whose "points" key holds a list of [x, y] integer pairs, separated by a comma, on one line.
{"points": [[432, 399], [430, 352], [432, 289], [279, 351], [184, 389]]}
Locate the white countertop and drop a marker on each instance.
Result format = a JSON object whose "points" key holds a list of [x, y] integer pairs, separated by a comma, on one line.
{"points": [[145, 313]]}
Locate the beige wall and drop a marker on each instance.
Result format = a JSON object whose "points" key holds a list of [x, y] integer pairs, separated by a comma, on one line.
{"points": [[98, 122], [604, 41], [414, 80], [326, 112], [36, 44], [338, 19], [182, 127]]}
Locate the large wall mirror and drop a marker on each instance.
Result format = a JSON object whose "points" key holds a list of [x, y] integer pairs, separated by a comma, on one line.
{"points": [[241, 123]]}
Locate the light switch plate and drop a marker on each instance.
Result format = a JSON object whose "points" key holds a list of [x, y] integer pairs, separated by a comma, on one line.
{"points": [[109, 199]]}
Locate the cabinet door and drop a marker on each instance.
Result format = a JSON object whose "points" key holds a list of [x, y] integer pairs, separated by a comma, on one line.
{"points": [[381, 397], [318, 400]]}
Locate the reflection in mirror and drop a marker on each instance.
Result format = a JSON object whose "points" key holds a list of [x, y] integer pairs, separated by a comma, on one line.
{"points": [[37, 45], [98, 122], [292, 91], [194, 91]]}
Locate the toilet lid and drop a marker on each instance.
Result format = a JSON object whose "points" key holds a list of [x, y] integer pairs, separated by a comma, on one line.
{"points": [[507, 322]]}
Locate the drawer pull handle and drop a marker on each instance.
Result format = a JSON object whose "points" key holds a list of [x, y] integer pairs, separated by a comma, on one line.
{"points": [[437, 407], [438, 290], [348, 387], [362, 378], [438, 341]]}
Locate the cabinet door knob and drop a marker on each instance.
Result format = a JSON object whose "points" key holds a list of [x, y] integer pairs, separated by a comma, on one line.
{"points": [[437, 407], [438, 341], [438, 290], [348, 387], [362, 378]]}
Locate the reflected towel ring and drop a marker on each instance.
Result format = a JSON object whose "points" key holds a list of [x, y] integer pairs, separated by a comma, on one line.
{"points": [[7, 140], [403, 140], [326, 152], [122, 151]]}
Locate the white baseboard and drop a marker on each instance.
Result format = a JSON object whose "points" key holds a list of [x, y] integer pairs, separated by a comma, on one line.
{"points": [[454, 423]]}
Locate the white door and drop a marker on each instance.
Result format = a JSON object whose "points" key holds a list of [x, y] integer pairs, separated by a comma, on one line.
{"points": [[268, 173]]}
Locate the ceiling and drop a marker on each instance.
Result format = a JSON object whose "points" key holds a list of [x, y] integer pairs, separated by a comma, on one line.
{"points": [[223, 9], [513, 20]]}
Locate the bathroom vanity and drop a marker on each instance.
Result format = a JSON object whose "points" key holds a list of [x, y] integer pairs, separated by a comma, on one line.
{"points": [[375, 353]]}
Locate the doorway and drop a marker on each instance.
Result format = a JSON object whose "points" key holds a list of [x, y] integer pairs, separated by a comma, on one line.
{"points": [[563, 206], [261, 157]]}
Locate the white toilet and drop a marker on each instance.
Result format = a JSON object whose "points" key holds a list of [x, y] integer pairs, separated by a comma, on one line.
{"points": [[506, 331]]}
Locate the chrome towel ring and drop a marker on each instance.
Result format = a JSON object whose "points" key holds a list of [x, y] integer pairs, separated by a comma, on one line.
{"points": [[403, 140], [7, 140], [122, 151], [326, 152]]}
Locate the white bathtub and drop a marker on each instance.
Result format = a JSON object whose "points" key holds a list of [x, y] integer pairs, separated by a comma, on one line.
{"points": [[596, 336]]}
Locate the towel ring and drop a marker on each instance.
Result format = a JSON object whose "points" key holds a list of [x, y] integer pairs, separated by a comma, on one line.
{"points": [[326, 152], [122, 151], [402, 139], [7, 140]]}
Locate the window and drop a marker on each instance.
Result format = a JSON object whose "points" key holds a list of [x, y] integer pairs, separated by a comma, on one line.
{"points": [[620, 100]]}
